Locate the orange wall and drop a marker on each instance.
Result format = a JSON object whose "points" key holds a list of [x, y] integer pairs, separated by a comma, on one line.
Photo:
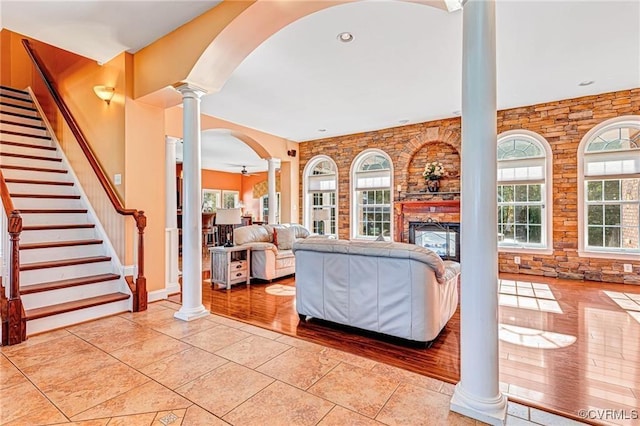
{"points": [[20, 68], [145, 186], [75, 76], [169, 60], [128, 141], [212, 179], [5, 54], [251, 205]]}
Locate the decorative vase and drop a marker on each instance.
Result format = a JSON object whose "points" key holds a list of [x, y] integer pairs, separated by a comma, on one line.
{"points": [[433, 185]]}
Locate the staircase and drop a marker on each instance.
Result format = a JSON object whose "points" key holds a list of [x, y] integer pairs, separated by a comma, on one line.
{"points": [[66, 273]]}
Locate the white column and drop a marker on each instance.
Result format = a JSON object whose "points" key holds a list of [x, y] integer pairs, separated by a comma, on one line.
{"points": [[192, 307], [272, 163], [477, 394], [171, 221]]}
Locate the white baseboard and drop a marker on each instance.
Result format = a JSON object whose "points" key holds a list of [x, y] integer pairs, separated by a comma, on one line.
{"points": [[129, 271], [155, 295]]}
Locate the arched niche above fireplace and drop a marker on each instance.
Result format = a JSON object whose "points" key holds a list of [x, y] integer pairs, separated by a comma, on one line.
{"points": [[434, 151]]}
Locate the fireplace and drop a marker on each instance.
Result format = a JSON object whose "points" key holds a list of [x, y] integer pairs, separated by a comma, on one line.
{"points": [[441, 237]]}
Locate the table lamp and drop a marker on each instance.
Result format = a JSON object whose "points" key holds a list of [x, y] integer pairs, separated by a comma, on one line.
{"points": [[321, 215], [228, 217]]}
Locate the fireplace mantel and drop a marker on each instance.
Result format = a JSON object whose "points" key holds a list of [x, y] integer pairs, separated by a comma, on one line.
{"points": [[432, 206]]}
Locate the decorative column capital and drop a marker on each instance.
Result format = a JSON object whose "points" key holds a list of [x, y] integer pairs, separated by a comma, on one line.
{"points": [[171, 140], [189, 90], [273, 161]]}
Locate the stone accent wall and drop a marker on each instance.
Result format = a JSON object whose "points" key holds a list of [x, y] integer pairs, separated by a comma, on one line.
{"points": [[445, 153], [562, 123]]}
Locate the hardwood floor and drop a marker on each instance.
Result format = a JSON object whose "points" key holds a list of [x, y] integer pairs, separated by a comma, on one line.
{"points": [[564, 345]]}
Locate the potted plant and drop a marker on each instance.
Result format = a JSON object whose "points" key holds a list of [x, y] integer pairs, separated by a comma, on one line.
{"points": [[433, 172]]}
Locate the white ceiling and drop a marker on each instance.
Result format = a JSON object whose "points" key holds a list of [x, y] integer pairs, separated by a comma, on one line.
{"points": [[404, 64], [99, 29]]}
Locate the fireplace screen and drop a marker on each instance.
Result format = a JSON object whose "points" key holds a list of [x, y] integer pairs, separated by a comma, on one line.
{"points": [[443, 238]]}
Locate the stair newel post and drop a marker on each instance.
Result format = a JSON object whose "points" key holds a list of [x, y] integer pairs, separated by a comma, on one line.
{"points": [[17, 331], [140, 301]]}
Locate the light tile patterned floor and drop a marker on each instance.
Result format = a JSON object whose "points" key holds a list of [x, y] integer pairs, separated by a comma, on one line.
{"points": [[151, 369]]}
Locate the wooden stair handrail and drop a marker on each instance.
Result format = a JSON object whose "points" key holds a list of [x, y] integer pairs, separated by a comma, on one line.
{"points": [[138, 215], [75, 129], [6, 199], [15, 330]]}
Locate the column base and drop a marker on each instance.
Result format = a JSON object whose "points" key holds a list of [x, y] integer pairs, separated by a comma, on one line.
{"points": [[191, 314], [493, 412]]}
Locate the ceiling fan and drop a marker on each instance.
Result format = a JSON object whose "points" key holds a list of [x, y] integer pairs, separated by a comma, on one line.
{"points": [[245, 172]]}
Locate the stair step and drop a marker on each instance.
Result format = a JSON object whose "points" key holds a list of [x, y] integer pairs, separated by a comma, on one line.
{"points": [[65, 197], [30, 157], [8, 104], [32, 169], [39, 182], [30, 129], [29, 140], [11, 89], [15, 123], [17, 98], [29, 135], [68, 203], [66, 262], [12, 108], [58, 244], [46, 311], [43, 211], [56, 285], [31, 236], [28, 145], [16, 114], [60, 226]]}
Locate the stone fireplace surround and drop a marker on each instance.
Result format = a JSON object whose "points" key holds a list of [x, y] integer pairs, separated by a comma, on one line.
{"points": [[422, 211], [421, 232]]}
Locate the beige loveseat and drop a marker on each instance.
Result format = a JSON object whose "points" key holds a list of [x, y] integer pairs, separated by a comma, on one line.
{"points": [[270, 259], [397, 289]]}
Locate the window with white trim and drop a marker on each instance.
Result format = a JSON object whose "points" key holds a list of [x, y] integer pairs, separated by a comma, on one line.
{"points": [[371, 195], [611, 171], [214, 199], [321, 196], [523, 191], [230, 199], [264, 209], [211, 200]]}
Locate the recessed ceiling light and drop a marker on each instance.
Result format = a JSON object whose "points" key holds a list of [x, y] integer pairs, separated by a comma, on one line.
{"points": [[403, 121], [586, 83], [345, 37], [322, 130]]}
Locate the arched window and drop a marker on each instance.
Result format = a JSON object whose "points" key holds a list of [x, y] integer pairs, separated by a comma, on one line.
{"points": [[609, 161], [371, 184], [321, 195], [524, 186]]}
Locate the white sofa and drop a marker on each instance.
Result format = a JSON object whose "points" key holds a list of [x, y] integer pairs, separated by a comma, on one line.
{"points": [[269, 259], [397, 289]]}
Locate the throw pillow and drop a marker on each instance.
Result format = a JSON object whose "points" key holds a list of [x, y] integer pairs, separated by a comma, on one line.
{"points": [[380, 238], [286, 238], [275, 236]]}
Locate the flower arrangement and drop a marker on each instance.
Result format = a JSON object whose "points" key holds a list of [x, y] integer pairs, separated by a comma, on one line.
{"points": [[433, 171]]}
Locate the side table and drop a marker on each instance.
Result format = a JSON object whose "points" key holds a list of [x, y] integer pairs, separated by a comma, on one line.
{"points": [[230, 265]]}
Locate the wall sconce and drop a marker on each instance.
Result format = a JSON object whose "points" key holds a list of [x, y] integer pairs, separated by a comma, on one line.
{"points": [[291, 153], [105, 93]]}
